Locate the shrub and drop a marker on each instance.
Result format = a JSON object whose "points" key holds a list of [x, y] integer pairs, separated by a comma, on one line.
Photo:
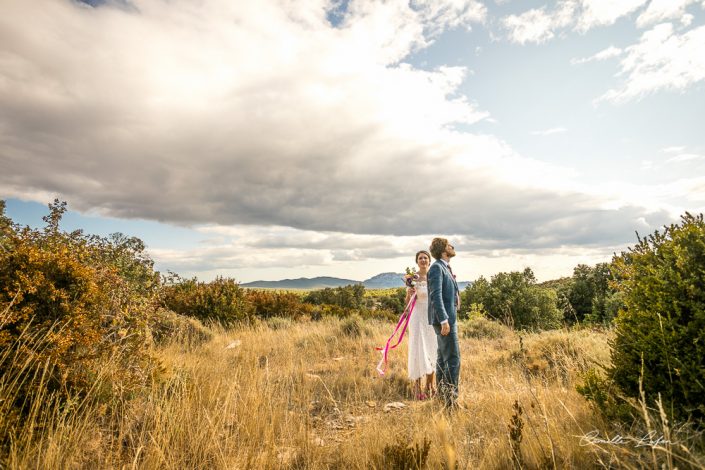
{"points": [[347, 297], [393, 301], [479, 326], [168, 326], [353, 326], [404, 456], [67, 306], [222, 300], [515, 299], [279, 323], [659, 332], [267, 304]]}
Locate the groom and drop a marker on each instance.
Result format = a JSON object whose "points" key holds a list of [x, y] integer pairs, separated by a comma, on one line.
{"points": [[444, 301]]}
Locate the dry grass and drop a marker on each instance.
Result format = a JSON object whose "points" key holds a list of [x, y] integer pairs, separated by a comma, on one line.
{"points": [[305, 395]]}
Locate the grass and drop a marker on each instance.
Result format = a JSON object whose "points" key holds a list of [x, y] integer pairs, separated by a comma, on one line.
{"points": [[306, 395]]}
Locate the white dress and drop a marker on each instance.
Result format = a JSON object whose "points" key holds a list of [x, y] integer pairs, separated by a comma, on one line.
{"points": [[423, 345]]}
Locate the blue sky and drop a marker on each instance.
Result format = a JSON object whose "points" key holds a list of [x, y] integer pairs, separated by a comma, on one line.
{"points": [[273, 139]]}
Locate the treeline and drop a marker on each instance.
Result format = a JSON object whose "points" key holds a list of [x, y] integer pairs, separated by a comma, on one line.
{"points": [[591, 296], [225, 302]]}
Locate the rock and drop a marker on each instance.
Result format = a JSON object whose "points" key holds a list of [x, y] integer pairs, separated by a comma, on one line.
{"points": [[395, 405], [234, 344]]}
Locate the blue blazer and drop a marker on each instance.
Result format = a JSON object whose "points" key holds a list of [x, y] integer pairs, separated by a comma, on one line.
{"points": [[442, 292]]}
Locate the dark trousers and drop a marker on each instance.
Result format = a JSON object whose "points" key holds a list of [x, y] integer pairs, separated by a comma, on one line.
{"points": [[448, 365]]}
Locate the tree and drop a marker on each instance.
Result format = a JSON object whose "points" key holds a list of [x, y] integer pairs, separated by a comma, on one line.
{"points": [[660, 332], [515, 299]]}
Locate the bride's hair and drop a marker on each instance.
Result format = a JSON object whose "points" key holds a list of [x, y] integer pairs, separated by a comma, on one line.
{"points": [[424, 252]]}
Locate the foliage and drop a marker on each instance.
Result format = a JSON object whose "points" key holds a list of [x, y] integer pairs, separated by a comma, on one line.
{"points": [[69, 301], [170, 327], [353, 326], [660, 333], [222, 301], [477, 325], [268, 304], [347, 297], [393, 301], [404, 456], [514, 299], [602, 392]]}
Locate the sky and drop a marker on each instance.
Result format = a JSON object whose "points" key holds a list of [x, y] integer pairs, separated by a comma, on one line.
{"points": [[283, 139]]}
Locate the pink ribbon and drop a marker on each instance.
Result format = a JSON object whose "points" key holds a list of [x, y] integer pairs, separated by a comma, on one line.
{"points": [[404, 318]]}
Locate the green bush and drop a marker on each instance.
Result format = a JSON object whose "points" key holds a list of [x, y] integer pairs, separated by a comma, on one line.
{"points": [[516, 300], [168, 326], [660, 332], [353, 326], [268, 304], [222, 301], [477, 325], [347, 297]]}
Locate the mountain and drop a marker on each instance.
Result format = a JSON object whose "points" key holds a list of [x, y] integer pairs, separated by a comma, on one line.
{"points": [[384, 281], [380, 281], [302, 283]]}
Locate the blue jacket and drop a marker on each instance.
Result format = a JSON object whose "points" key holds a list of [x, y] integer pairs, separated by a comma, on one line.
{"points": [[442, 293]]}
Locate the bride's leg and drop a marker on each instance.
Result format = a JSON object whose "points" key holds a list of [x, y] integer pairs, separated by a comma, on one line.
{"points": [[431, 384], [417, 388]]}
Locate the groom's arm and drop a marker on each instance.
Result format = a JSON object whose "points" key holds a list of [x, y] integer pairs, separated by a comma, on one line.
{"points": [[435, 283]]}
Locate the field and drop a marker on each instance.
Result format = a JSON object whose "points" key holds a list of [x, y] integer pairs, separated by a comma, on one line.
{"points": [[306, 395]]}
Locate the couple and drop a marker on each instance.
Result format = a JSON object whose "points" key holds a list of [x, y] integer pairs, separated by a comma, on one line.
{"points": [[433, 333]]}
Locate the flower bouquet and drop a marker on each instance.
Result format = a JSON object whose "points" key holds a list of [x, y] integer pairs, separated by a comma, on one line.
{"points": [[410, 278]]}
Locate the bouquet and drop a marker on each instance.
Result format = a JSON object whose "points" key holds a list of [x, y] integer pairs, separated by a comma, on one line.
{"points": [[410, 278]]}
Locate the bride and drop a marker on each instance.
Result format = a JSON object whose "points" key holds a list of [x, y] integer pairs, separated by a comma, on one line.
{"points": [[423, 346]]}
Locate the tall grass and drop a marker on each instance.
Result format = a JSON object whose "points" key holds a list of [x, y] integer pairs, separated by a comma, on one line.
{"points": [[305, 395]]}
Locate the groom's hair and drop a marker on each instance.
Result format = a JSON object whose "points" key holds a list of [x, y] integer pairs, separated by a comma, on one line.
{"points": [[438, 246]]}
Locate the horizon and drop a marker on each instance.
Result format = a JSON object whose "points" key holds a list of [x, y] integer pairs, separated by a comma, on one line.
{"points": [[338, 137]]}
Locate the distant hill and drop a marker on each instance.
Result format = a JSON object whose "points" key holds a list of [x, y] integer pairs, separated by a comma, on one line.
{"points": [[302, 283], [384, 281], [380, 281]]}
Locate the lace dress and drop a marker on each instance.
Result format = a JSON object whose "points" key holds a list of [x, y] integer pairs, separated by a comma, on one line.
{"points": [[423, 345]]}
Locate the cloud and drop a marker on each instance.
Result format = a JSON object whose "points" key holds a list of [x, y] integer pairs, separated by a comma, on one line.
{"points": [[663, 10], [604, 54], [551, 131], [538, 25], [265, 115], [685, 157], [661, 60], [605, 12]]}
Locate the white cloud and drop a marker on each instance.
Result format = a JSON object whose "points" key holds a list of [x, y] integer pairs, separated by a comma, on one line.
{"points": [[673, 149], [263, 114], [605, 12], [685, 157], [661, 60], [531, 26], [662, 10], [604, 54], [687, 19], [538, 25], [551, 131]]}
